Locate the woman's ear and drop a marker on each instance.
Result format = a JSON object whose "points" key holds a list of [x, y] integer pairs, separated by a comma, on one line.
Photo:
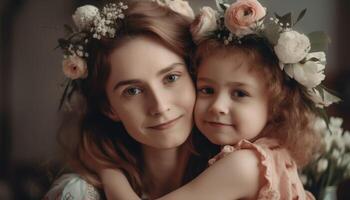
{"points": [[112, 114]]}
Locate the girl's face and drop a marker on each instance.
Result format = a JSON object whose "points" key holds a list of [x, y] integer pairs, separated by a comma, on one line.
{"points": [[151, 92], [231, 99]]}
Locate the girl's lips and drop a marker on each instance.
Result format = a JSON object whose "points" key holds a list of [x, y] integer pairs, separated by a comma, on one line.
{"points": [[166, 125], [218, 124]]}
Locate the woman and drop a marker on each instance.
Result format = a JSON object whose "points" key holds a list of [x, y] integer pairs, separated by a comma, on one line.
{"points": [[139, 99]]}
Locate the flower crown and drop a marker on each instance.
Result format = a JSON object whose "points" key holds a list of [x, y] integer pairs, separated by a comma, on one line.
{"points": [[301, 57], [92, 23]]}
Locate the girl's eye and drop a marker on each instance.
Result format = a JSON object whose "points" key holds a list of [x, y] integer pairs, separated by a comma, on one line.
{"points": [[206, 90], [132, 91], [172, 78], [239, 93]]}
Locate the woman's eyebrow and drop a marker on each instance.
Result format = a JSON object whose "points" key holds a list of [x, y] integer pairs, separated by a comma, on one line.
{"points": [[126, 82], [136, 81], [169, 68]]}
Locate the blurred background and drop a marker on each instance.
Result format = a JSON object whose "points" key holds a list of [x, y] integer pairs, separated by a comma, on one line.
{"points": [[31, 78]]}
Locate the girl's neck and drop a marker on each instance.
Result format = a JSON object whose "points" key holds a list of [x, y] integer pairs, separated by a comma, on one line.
{"points": [[164, 169]]}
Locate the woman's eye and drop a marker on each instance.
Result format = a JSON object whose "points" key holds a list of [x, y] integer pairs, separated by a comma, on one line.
{"points": [[239, 93], [206, 90], [172, 78], [132, 91]]}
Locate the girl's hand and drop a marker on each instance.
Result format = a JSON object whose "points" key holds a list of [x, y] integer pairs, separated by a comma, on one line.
{"points": [[227, 149]]}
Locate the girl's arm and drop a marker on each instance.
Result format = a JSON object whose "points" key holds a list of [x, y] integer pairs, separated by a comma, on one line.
{"points": [[235, 176], [116, 186]]}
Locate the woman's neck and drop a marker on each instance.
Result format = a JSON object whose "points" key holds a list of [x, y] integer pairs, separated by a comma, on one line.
{"points": [[164, 169]]}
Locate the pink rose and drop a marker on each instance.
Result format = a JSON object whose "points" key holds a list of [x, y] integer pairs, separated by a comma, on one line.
{"points": [[74, 67], [241, 17]]}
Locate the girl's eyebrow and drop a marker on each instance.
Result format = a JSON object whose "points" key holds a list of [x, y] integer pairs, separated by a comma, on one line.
{"points": [[235, 83], [136, 81]]}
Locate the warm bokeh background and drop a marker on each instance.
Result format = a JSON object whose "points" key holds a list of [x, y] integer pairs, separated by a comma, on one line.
{"points": [[30, 78]]}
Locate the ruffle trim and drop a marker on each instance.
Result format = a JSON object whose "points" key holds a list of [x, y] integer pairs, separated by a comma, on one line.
{"points": [[267, 191]]}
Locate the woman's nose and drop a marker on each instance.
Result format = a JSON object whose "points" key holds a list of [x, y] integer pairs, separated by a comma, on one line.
{"points": [[159, 103]]}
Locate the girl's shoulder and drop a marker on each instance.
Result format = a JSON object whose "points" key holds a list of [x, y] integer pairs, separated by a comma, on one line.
{"points": [[73, 187], [278, 172]]}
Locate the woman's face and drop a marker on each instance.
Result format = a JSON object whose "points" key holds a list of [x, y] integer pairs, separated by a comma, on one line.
{"points": [[151, 92]]}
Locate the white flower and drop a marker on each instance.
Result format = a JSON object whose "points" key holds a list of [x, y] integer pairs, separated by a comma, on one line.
{"points": [[335, 124], [84, 16], [322, 101], [322, 165], [346, 138], [346, 160], [204, 24], [180, 6], [303, 179], [74, 67], [320, 125], [292, 47], [311, 73], [335, 154]]}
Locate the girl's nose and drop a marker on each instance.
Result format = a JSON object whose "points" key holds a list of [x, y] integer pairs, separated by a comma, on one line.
{"points": [[220, 105]]}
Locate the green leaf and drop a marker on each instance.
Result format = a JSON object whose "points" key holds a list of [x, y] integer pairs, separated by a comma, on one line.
{"points": [[301, 15], [319, 41], [271, 32], [220, 4], [63, 43], [314, 59], [287, 18]]}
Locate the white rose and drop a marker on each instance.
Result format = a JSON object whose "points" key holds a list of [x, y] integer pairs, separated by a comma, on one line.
{"points": [[84, 16], [74, 67], [180, 6], [322, 165], [204, 24], [320, 101], [292, 47], [311, 73]]}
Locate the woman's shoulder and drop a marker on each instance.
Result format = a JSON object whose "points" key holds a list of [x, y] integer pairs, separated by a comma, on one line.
{"points": [[73, 187]]}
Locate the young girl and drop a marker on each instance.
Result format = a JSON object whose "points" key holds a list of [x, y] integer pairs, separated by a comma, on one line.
{"points": [[129, 63], [256, 97]]}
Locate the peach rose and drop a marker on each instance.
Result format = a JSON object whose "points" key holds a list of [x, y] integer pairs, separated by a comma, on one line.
{"points": [[204, 23], [243, 15], [180, 6], [74, 67]]}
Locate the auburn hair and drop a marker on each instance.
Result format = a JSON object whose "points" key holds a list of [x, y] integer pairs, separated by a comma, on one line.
{"points": [[101, 140], [291, 118]]}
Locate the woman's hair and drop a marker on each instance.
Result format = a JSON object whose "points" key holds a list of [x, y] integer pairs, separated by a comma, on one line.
{"points": [[290, 119], [105, 142]]}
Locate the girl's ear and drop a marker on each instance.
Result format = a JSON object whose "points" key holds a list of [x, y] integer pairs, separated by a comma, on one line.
{"points": [[112, 114]]}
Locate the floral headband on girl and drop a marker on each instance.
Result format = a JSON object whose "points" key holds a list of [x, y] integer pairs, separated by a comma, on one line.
{"points": [[301, 57], [92, 23]]}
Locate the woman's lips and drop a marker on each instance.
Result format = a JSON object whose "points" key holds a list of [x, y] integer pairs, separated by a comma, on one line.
{"points": [[165, 125]]}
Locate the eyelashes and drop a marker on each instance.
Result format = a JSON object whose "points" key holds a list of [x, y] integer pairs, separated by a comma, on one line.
{"points": [[134, 90]]}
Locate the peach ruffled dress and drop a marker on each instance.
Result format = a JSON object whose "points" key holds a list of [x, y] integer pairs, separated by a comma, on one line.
{"points": [[277, 168]]}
